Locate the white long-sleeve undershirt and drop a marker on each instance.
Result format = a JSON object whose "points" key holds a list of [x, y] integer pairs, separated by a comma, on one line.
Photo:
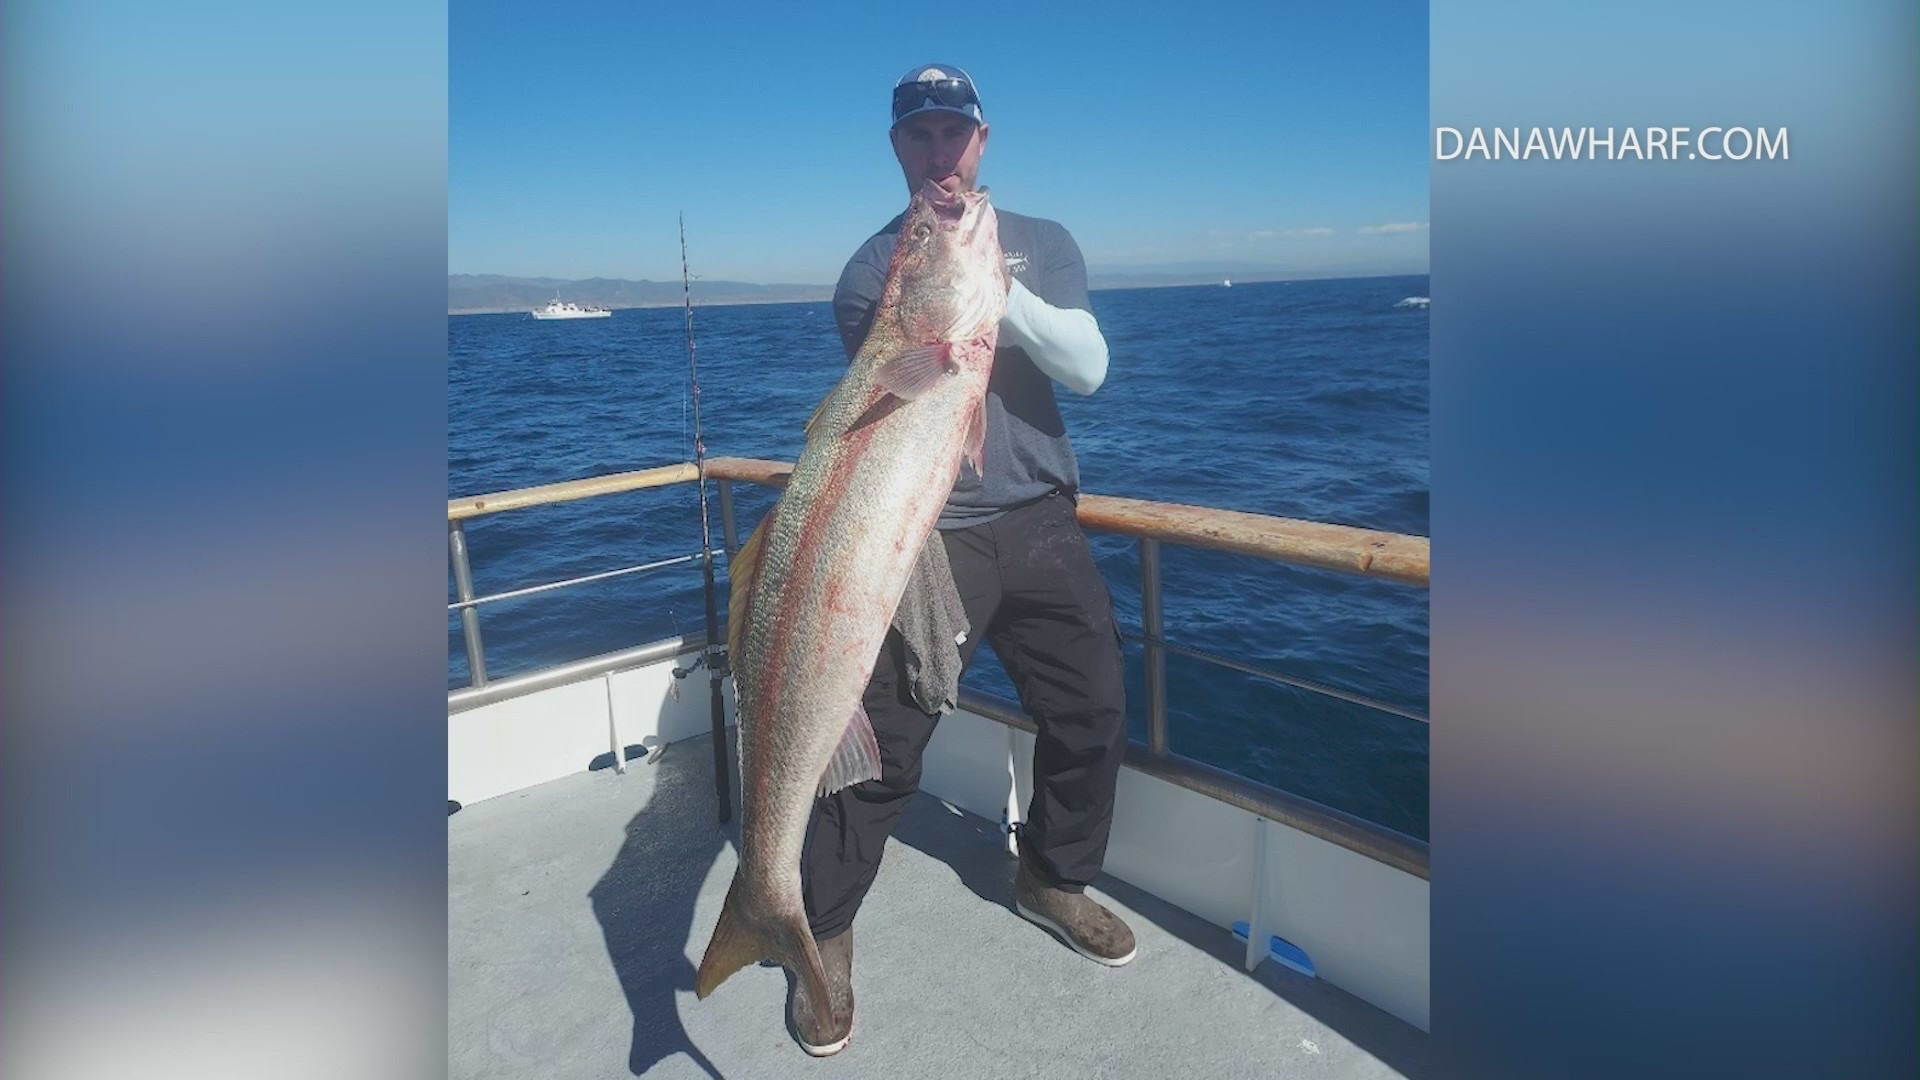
{"points": [[1066, 343]]}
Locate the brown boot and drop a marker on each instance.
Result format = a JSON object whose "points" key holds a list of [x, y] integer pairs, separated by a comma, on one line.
{"points": [[836, 955], [1075, 918]]}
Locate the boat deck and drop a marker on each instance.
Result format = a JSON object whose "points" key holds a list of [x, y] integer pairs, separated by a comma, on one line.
{"points": [[577, 911]]}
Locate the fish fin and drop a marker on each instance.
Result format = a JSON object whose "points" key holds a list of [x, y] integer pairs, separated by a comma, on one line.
{"points": [[739, 941], [914, 371], [741, 571], [814, 972], [818, 411], [975, 452], [857, 758], [736, 942]]}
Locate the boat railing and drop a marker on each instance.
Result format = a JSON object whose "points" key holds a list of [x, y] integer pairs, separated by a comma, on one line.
{"points": [[1390, 556]]}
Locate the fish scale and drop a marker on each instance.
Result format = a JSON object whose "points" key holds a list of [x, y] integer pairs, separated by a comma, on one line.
{"points": [[817, 585]]}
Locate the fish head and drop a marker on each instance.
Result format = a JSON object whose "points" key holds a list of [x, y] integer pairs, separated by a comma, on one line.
{"points": [[950, 273]]}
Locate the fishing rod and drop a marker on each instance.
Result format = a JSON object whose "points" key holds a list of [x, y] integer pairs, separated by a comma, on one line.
{"points": [[716, 656]]}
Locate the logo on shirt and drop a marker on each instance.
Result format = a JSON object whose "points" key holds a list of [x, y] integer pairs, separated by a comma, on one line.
{"points": [[1016, 262]]}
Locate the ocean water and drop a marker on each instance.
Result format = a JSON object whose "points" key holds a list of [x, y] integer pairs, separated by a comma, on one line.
{"points": [[1299, 399]]}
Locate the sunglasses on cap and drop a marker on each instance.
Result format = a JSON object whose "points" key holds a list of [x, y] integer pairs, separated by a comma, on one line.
{"points": [[950, 93]]}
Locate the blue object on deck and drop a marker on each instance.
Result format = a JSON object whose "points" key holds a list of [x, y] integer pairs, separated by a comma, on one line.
{"points": [[1282, 950]]}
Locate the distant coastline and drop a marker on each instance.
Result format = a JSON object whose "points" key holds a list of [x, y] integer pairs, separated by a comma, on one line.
{"points": [[488, 294], [697, 302]]}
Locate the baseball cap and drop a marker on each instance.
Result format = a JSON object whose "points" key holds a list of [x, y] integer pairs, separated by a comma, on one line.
{"points": [[936, 87]]}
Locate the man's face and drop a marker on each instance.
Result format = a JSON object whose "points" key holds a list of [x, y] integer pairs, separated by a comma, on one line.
{"points": [[939, 146]]}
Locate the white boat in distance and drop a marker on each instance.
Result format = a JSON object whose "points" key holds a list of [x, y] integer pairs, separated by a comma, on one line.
{"points": [[557, 309]]}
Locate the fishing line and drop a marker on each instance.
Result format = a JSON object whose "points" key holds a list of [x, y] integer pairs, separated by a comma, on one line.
{"points": [[716, 655]]}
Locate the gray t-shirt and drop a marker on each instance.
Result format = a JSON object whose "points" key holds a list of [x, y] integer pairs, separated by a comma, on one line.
{"points": [[1027, 454]]}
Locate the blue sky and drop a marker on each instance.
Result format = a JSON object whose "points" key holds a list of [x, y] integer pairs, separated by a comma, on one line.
{"points": [[1160, 134]]}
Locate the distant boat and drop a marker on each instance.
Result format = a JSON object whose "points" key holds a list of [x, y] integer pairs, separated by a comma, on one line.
{"points": [[1227, 284], [556, 309]]}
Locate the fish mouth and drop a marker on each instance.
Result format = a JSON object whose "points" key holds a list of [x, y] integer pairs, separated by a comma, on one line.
{"points": [[947, 204]]}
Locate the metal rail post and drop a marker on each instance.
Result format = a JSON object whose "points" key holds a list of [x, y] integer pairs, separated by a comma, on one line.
{"points": [[1155, 656], [727, 535], [469, 617]]}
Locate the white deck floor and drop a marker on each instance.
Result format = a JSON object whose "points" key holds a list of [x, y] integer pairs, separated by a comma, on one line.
{"points": [[577, 911]]}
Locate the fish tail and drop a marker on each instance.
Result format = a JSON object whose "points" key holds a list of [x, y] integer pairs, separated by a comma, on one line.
{"points": [[739, 939], [736, 942]]}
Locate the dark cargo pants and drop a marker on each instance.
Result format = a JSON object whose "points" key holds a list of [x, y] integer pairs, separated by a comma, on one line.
{"points": [[1031, 590]]}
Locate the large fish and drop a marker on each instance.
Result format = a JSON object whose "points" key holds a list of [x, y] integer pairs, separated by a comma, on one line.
{"points": [[815, 587]]}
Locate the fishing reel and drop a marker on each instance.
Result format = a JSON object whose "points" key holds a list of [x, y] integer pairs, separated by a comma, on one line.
{"points": [[714, 660]]}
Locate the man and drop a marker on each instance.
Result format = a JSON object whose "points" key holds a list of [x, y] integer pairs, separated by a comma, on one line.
{"points": [[1023, 570]]}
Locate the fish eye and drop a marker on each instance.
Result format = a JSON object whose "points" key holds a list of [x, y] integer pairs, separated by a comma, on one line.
{"points": [[922, 231]]}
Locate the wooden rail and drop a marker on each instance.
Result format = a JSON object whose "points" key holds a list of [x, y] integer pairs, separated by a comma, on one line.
{"points": [[568, 491], [1392, 556]]}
